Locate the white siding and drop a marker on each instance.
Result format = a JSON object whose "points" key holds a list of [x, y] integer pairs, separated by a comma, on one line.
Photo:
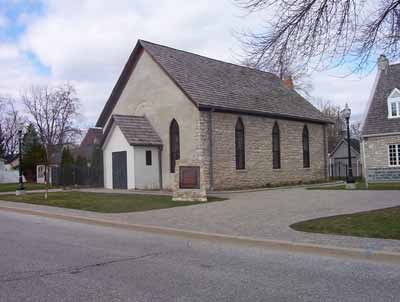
{"points": [[116, 142], [146, 177]]}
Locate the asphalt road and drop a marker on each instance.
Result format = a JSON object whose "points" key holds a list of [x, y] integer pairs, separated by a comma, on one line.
{"points": [[50, 260]]}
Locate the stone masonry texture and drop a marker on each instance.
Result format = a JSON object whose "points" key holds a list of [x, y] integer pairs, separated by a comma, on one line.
{"points": [[258, 151], [376, 150]]}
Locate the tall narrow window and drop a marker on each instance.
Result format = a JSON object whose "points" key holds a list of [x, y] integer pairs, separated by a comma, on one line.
{"points": [[276, 147], [239, 145], [306, 148], [174, 144]]}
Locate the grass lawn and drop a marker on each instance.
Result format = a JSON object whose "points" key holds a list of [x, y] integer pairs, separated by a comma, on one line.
{"points": [[383, 223], [102, 202], [361, 186], [11, 187]]}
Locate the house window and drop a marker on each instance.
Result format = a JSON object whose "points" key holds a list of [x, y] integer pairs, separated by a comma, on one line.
{"points": [[276, 147], [149, 158], [394, 155], [394, 104], [239, 145], [306, 148], [174, 144]]}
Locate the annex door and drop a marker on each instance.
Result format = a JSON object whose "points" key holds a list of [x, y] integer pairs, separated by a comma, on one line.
{"points": [[119, 170]]}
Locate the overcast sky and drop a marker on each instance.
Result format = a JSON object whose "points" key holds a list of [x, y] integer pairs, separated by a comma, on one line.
{"points": [[87, 42]]}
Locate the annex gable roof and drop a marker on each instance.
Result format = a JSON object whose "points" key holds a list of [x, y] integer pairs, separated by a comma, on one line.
{"points": [[137, 130], [377, 121], [213, 84]]}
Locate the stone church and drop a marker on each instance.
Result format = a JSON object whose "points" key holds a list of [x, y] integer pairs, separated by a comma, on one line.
{"points": [[242, 127]]}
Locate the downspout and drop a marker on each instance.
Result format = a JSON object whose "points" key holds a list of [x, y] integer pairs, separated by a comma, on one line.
{"points": [[211, 144], [160, 167], [325, 153], [364, 162]]}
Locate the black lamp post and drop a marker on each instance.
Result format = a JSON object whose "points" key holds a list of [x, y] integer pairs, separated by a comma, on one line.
{"points": [[346, 114], [21, 189]]}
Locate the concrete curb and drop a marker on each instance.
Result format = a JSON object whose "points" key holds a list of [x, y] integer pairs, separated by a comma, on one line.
{"points": [[324, 250], [33, 191]]}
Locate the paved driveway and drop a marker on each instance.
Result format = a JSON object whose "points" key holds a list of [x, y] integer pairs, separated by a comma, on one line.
{"points": [[268, 214]]}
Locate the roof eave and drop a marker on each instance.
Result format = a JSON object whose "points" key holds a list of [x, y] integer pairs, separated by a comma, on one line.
{"points": [[146, 145], [265, 114]]}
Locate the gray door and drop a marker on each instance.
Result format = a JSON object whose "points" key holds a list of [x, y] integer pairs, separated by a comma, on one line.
{"points": [[119, 170]]}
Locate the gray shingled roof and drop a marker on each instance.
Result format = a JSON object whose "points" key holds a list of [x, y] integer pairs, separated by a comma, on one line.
{"points": [[377, 121], [354, 143], [210, 83], [217, 84], [137, 130]]}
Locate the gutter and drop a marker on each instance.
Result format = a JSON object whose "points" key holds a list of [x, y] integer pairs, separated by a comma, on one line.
{"points": [[380, 134], [265, 114]]}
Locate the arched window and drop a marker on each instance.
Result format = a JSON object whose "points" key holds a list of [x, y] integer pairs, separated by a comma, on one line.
{"points": [[276, 147], [174, 144], [306, 148], [239, 145]]}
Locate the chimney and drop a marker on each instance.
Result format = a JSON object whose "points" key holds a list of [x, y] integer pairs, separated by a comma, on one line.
{"points": [[288, 82], [383, 63]]}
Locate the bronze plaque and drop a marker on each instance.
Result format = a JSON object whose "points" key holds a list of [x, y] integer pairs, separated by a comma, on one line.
{"points": [[189, 177]]}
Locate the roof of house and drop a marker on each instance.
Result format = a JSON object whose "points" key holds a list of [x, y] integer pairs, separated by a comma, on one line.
{"points": [[136, 129], [377, 121], [354, 143], [93, 136], [211, 83]]}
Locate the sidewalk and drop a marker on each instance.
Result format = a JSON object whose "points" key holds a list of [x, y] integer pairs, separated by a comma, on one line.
{"points": [[262, 215]]}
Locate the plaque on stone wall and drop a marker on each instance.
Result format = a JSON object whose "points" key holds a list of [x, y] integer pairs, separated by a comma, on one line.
{"points": [[189, 177]]}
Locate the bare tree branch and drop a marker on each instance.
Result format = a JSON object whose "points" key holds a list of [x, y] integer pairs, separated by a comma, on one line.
{"points": [[316, 34], [10, 122], [54, 111]]}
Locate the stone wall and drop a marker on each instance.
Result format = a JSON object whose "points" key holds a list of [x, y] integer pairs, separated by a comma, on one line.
{"points": [[376, 150], [384, 174], [195, 195], [258, 151]]}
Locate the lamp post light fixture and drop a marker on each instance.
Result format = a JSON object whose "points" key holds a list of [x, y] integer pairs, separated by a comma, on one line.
{"points": [[350, 180], [20, 189]]}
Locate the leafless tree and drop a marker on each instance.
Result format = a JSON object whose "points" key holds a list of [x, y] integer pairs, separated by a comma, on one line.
{"points": [[54, 112], [314, 34], [10, 122], [333, 112], [355, 130], [338, 129], [301, 80]]}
